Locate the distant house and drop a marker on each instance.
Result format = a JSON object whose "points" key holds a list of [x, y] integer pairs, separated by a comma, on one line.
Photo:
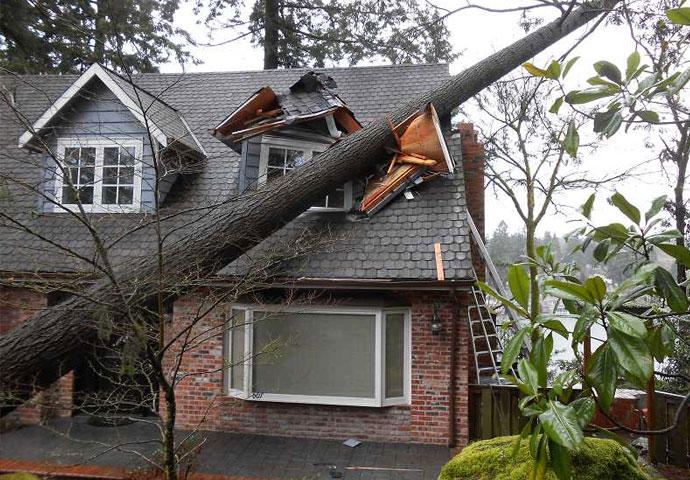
{"points": [[384, 353]]}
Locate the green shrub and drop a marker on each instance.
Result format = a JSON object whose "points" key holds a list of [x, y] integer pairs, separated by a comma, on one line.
{"points": [[491, 460]]}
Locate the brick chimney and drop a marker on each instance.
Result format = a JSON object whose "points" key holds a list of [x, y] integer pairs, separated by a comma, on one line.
{"points": [[473, 170]]}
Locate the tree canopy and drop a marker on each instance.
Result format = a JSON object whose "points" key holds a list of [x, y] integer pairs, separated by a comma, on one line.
{"points": [[53, 36], [300, 33]]}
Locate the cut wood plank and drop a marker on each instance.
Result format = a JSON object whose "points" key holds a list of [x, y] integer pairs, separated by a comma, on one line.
{"points": [[441, 275]]}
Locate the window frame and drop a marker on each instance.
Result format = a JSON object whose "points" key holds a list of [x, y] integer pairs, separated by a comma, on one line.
{"points": [[379, 399], [309, 148], [99, 143]]}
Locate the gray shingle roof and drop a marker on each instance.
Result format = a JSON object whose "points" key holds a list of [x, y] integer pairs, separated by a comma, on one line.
{"points": [[397, 243]]}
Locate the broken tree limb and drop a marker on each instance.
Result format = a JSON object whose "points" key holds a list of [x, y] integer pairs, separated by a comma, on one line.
{"points": [[31, 354]]}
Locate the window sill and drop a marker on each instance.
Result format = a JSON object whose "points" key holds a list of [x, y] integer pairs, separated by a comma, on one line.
{"points": [[311, 400]]}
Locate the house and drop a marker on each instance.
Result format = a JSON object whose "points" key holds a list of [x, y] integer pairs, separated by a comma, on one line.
{"points": [[385, 351]]}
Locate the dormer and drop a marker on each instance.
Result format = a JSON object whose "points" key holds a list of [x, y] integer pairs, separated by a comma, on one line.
{"points": [[100, 139], [277, 132]]}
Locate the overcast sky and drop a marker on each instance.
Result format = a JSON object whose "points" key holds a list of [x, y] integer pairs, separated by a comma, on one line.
{"points": [[476, 34]]}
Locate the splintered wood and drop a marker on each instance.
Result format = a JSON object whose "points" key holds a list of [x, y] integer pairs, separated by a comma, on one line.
{"points": [[421, 147]]}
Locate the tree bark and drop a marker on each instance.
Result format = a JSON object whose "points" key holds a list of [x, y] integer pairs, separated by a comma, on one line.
{"points": [[30, 354], [270, 34]]}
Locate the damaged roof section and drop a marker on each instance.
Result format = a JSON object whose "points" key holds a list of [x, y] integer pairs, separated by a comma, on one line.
{"points": [[311, 97], [419, 153]]}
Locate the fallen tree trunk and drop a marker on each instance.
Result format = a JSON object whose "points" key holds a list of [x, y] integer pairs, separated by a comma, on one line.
{"points": [[31, 354]]}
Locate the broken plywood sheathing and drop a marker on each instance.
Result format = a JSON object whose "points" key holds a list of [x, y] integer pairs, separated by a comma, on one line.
{"points": [[420, 147], [312, 97]]}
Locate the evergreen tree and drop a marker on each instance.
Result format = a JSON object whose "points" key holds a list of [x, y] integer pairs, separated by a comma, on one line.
{"points": [[299, 33], [66, 36]]}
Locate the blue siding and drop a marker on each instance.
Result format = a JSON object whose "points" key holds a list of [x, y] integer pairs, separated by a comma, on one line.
{"points": [[98, 113]]}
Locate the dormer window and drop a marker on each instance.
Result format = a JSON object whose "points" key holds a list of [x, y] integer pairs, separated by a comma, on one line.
{"points": [[280, 155], [103, 174]]}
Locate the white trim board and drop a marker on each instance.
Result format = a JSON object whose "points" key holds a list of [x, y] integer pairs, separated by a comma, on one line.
{"points": [[95, 70]]}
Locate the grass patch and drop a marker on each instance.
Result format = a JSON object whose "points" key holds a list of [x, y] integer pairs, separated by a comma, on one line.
{"points": [[596, 459]]}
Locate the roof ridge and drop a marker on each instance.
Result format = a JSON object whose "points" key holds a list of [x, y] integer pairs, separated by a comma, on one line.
{"points": [[303, 69]]}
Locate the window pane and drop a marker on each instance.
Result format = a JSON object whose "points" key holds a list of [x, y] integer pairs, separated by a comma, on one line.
{"points": [[86, 195], [395, 355], [85, 175], [276, 157], [126, 195], [69, 195], [126, 175], [237, 349], [74, 175], [336, 199], [295, 158], [110, 175], [317, 354], [71, 156], [110, 155], [127, 156], [273, 173], [109, 195], [88, 156]]}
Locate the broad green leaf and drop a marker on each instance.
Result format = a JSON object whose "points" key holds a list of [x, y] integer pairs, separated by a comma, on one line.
{"points": [[553, 71], [678, 252], [539, 468], [512, 349], [596, 287], [649, 116], [633, 355], [608, 122], [614, 231], [679, 16], [608, 70], [627, 323], [584, 410], [632, 64], [661, 341], [645, 83], [643, 276], [539, 357], [664, 237], [508, 303], [626, 208], [534, 440], [601, 81], [572, 139], [602, 373], [560, 461], [669, 289], [529, 375], [561, 424], [569, 290], [602, 250], [556, 105], [557, 326], [534, 71], [657, 204], [679, 82], [518, 281], [569, 65], [577, 97], [563, 380], [524, 433], [586, 208], [581, 326]]}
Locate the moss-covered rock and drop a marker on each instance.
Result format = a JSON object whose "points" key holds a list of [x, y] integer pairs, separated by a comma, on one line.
{"points": [[19, 476], [596, 459]]}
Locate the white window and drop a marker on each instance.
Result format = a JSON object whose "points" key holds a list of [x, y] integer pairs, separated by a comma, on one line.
{"points": [[334, 356], [280, 155], [103, 174]]}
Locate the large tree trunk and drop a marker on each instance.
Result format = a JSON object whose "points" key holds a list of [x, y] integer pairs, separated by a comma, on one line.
{"points": [[270, 34], [32, 352]]}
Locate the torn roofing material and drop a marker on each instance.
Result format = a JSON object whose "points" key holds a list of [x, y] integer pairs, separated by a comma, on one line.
{"points": [[310, 98]]}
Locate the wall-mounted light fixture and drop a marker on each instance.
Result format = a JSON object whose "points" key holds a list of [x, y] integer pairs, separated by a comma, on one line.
{"points": [[436, 321]]}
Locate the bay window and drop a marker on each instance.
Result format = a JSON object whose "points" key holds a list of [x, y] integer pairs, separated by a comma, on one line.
{"points": [[101, 174], [334, 356]]}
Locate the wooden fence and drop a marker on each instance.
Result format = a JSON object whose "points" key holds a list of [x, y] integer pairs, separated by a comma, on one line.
{"points": [[494, 412]]}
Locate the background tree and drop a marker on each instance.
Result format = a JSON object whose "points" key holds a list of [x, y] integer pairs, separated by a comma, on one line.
{"points": [[301, 33], [50, 36]]}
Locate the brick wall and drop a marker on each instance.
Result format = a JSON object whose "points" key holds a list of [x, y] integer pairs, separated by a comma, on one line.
{"points": [[201, 403], [17, 304], [473, 171]]}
